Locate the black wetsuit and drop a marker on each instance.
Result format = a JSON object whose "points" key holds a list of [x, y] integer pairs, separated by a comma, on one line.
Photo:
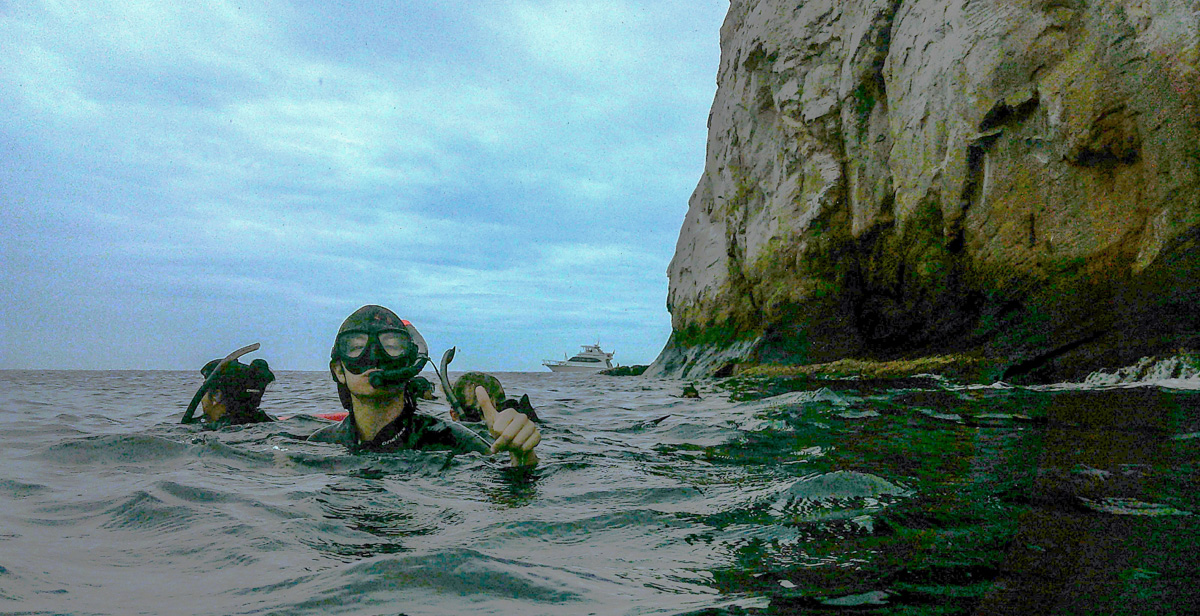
{"points": [[238, 419], [411, 430]]}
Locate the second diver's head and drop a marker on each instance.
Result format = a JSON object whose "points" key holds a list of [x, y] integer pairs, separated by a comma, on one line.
{"points": [[236, 392], [373, 338], [464, 390]]}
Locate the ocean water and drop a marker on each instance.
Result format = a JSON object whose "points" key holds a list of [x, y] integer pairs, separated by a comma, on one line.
{"points": [[760, 497]]}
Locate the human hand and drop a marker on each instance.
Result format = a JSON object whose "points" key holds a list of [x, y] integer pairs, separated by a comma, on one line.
{"points": [[513, 431]]}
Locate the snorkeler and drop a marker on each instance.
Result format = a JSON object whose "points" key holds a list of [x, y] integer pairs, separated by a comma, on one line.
{"points": [[464, 392], [374, 357], [232, 392]]}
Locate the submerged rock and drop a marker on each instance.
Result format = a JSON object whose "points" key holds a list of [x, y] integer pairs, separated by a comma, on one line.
{"points": [[1130, 506], [902, 177], [843, 484], [874, 597], [635, 370]]}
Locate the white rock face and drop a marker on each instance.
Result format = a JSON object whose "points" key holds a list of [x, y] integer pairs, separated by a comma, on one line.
{"points": [[891, 173]]}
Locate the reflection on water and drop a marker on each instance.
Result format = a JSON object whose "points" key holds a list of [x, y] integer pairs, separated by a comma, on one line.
{"points": [[783, 497]]}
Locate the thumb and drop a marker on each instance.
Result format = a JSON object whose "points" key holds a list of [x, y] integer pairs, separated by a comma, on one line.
{"points": [[485, 403]]}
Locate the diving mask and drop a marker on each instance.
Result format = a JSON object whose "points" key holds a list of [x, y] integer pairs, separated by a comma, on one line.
{"points": [[374, 337], [360, 351]]}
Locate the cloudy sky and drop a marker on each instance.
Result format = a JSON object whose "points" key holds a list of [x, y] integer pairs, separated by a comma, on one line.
{"points": [[179, 179]]}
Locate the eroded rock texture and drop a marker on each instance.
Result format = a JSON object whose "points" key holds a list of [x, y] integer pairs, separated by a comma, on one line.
{"points": [[1012, 178]]}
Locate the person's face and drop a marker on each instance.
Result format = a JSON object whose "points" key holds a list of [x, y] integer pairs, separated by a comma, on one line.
{"points": [[470, 405], [213, 406], [468, 398]]}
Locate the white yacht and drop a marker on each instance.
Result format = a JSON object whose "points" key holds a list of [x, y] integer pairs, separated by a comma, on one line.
{"points": [[591, 359]]}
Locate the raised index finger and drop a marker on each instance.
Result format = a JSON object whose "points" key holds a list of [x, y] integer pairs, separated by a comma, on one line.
{"points": [[485, 403]]}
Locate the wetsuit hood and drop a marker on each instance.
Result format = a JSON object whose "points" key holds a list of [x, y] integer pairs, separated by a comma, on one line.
{"points": [[373, 319]]}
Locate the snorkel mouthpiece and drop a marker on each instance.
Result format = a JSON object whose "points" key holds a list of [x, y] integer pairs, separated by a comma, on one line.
{"points": [[396, 376]]}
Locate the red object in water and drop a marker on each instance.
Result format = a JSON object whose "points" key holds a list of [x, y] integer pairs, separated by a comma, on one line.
{"points": [[332, 416]]}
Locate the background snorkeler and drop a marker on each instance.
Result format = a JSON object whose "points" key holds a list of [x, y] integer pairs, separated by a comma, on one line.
{"points": [[232, 391], [373, 358], [468, 408]]}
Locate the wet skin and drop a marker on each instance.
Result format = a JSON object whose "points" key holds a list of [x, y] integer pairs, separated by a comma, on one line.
{"points": [[214, 407], [514, 431]]}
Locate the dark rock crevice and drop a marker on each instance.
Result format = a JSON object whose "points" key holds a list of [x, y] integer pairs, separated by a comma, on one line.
{"points": [[1004, 113], [1111, 141], [1041, 360]]}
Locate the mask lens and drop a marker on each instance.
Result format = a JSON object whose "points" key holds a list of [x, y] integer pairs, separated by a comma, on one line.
{"points": [[395, 344], [353, 344]]}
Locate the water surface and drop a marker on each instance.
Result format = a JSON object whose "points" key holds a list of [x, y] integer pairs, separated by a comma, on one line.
{"points": [[781, 497]]}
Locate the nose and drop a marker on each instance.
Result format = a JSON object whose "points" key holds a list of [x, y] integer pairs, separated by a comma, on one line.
{"points": [[374, 353]]}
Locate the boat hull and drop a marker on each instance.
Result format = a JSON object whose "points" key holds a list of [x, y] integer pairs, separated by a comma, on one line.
{"points": [[566, 368]]}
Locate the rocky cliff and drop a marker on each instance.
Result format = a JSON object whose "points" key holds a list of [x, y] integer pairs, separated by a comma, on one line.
{"points": [[1011, 179]]}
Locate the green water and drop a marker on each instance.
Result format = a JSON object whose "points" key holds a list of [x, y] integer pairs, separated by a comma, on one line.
{"points": [[1017, 501]]}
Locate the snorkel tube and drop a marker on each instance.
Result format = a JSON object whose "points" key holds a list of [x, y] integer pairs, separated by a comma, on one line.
{"points": [[397, 376], [212, 378], [447, 357]]}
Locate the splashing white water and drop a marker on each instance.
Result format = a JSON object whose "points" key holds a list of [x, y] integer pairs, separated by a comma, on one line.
{"points": [[1179, 372]]}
